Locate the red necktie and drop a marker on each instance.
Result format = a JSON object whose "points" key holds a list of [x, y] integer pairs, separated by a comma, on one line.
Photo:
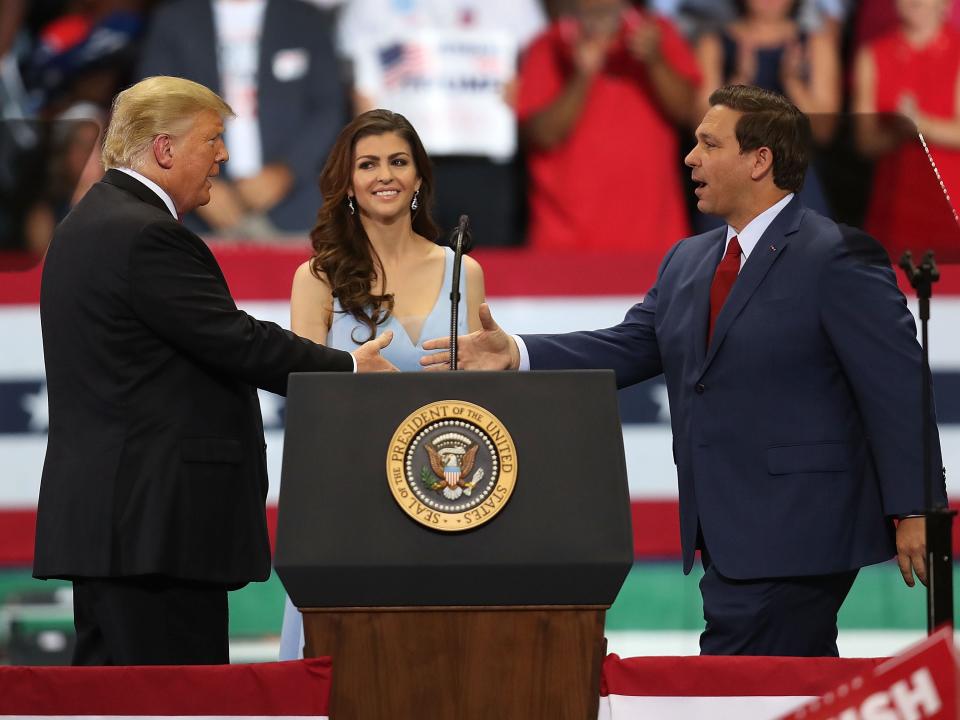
{"points": [[723, 280]]}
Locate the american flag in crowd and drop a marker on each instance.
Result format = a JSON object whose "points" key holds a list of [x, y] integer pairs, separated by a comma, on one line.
{"points": [[401, 61]]}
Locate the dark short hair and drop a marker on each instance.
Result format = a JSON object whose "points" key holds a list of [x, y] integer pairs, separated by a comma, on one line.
{"points": [[770, 120]]}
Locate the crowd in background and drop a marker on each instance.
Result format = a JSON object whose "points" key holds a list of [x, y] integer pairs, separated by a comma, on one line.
{"points": [[598, 101]]}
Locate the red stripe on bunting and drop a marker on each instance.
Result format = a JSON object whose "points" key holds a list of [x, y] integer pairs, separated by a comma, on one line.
{"points": [[266, 273], [287, 688], [728, 676], [17, 528], [257, 272], [656, 528]]}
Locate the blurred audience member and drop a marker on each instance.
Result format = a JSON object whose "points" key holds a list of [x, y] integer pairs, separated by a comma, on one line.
{"points": [[827, 15], [450, 66], [767, 47], [600, 93], [875, 18], [11, 14], [22, 178], [73, 57], [695, 17], [915, 71], [83, 58], [41, 163], [13, 100], [273, 62]]}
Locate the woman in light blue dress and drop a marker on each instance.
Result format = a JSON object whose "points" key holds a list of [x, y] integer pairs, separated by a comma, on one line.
{"points": [[376, 265]]}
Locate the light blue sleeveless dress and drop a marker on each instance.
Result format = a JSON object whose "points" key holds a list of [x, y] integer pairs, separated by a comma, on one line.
{"points": [[405, 355]]}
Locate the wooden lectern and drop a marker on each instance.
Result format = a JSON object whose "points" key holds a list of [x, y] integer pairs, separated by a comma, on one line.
{"points": [[436, 602]]}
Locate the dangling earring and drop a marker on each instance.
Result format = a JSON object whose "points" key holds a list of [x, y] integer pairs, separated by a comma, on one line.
{"points": [[415, 203], [353, 210]]}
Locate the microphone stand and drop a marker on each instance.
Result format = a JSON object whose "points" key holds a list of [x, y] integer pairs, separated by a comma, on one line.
{"points": [[460, 246], [939, 518]]}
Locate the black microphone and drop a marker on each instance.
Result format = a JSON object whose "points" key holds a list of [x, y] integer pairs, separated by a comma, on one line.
{"points": [[461, 240]]}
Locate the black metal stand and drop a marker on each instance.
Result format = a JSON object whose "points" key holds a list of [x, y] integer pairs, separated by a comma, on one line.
{"points": [[461, 244], [939, 525]]}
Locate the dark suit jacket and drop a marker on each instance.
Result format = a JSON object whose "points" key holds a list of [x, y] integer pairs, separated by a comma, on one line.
{"points": [[796, 433], [299, 118], [155, 459]]}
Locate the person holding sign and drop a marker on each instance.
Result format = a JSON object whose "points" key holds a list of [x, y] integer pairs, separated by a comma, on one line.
{"points": [[450, 68], [376, 265]]}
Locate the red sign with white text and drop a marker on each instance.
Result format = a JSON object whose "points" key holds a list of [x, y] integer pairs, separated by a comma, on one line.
{"points": [[920, 683]]}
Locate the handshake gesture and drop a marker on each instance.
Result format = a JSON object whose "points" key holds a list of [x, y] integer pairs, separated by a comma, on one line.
{"points": [[489, 348]]}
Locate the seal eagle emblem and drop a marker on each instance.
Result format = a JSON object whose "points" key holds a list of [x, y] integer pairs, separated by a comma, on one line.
{"points": [[452, 457], [451, 465]]}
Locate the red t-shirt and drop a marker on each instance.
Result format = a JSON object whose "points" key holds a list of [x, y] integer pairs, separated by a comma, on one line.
{"points": [[614, 182]]}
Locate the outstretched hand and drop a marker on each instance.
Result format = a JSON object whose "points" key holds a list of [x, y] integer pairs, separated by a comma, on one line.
{"points": [[489, 348], [368, 355]]}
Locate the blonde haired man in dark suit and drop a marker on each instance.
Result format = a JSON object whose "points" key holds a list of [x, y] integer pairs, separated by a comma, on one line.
{"points": [[153, 487]]}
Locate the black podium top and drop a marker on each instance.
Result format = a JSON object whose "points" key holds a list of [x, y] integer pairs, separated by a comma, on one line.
{"points": [[562, 538]]}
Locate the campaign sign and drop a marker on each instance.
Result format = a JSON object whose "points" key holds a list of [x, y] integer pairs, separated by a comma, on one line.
{"points": [[451, 86], [920, 683]]}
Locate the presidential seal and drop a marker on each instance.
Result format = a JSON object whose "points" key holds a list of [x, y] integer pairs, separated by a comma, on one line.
{"points": [[451, 465]]}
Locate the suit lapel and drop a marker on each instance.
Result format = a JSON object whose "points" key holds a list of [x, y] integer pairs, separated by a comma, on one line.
{"points": [[769, 248]]}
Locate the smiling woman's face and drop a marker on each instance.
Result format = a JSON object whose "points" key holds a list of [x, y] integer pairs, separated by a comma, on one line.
{"points": [[384, 175]]}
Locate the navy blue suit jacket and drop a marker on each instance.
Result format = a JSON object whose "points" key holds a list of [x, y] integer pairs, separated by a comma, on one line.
{"points": [[796, 432], [299, 118]]}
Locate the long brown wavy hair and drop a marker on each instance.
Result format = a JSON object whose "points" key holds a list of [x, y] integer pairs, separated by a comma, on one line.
{"points": [[341, 248]]}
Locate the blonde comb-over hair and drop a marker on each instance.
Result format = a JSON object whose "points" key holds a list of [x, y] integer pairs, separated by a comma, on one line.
{"points": [[159, 105]]}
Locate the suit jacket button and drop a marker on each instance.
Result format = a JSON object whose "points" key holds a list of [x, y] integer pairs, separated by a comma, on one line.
{"points": [[699, 388]]}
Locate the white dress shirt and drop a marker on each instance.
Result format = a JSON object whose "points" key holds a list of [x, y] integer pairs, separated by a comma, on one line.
{"points": [[752, 232], [160, 192]]}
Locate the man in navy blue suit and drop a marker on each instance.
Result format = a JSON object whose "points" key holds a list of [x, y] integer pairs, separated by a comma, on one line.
{"points": [[792, 368]]}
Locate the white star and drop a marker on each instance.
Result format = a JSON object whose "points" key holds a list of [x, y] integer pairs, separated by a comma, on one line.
{"points": [[270, 407], [658, 394], [35, 405]]}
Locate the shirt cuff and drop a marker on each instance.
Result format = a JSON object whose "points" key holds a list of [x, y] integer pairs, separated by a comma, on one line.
{"points": [[524, 355], [354, 362]]}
